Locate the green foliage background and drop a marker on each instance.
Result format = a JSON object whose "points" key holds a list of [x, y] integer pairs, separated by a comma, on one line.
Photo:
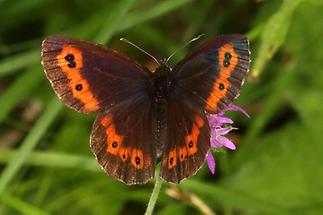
{"points": [[45, 162]]}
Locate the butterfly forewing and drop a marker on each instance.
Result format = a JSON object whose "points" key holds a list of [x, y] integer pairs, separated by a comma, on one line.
{"points": [[213, 74], [90, 77]]}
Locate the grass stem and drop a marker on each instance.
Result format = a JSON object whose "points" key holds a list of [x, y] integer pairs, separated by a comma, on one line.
{"points": [[154, 195]]}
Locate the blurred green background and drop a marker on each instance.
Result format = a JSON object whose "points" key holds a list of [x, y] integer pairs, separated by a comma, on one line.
{"points": [[45, 161]]}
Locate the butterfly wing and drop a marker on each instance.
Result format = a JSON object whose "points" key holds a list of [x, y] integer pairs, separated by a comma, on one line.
{"points": [[122, 141], [212, 75], [188, 141], [89, 77], [207, 80], [92, 78]]}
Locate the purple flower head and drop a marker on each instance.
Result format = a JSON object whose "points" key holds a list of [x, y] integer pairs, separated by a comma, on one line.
{"points": [[217, 124]]}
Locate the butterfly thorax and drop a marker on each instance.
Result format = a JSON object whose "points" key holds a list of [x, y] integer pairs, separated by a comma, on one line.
{"points": [[161, 82], [161, 89]]}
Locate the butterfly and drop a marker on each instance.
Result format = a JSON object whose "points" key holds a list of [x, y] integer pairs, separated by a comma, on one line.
{"points": [[146, 117]]}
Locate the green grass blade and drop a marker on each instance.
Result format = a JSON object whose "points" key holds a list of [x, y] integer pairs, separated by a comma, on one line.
{"points": [[11, 64], [52, 159], [16, 93], [29, 143], [113, 21], [21, 206], [273, 35], [158, 10]]}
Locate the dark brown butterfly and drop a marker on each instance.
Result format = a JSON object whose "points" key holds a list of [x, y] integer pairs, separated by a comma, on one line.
{"points": [[144, 116]]}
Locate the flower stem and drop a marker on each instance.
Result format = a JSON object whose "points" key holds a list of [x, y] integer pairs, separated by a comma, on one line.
{"points": [[154, 195]]}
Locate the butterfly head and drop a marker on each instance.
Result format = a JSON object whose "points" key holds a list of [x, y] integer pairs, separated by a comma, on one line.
{"points": [[163, 69]]}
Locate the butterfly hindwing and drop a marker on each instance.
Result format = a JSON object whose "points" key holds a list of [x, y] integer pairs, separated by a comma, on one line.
{"points": [[212, 75], [122, 142], [188, 141], [89, 77]]}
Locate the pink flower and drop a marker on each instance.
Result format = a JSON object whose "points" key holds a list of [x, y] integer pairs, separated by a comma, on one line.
{"points": [[219, 130]]}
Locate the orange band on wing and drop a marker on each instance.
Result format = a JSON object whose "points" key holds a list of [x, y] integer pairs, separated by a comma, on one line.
{"points": [[137, 158], [182, 153], [199, 121], [113, 140], [172, 159], [106, 121], [192, 138], [124, 153], [225, 71], [228, 60], [71, 62], [114, 146]]}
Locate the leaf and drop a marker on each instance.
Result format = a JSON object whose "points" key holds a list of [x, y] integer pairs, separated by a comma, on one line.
{"points": [[273, 35], [283, 166]]}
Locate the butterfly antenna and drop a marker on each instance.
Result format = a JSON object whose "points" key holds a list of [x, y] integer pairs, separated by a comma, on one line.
{"points": [[186, 44], [134, 45]]}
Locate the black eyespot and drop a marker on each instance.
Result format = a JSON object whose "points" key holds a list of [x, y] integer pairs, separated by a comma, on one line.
{"points": [[226, 63], [124, 156], [114, 144], [71, 64], [182, 156], [227, 55], [190, 145], [79, 87], [221, 86], [137, 160], [171, 161], [69, 57]]}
